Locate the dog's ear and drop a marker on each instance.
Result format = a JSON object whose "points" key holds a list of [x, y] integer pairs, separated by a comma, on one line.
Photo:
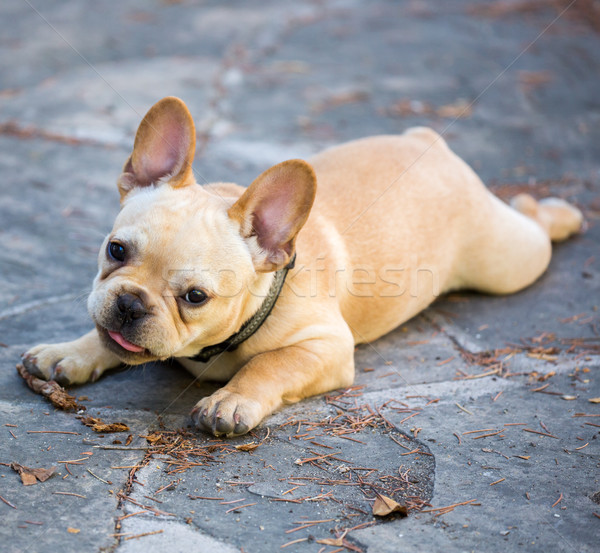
{"points": [[164, 148], [273, 209]]}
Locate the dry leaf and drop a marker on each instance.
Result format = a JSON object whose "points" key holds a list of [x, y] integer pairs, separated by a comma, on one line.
{"points": [[545, 377], [30, 476], [52, 390], [384, 506], [340, 542], [73, 530], [594, 400], [336, 542], [98, 425], [156, 438], [247, 447]]}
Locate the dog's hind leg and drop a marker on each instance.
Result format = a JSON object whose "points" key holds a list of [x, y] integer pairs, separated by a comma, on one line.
{"points": [[558, 218], [510, 248]]}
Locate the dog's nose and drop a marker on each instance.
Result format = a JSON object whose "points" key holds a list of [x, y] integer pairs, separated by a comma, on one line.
{"points": [[130, 307]]}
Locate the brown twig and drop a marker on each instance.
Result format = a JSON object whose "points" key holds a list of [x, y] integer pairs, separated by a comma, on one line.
{"points": [[7, 502]]}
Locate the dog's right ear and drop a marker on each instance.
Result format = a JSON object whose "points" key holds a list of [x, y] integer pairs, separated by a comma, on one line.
{"points": [[163, 150], [272, 211]]}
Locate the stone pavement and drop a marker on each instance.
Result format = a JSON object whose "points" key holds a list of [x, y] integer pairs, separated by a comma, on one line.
{"points": [[513, 86]]}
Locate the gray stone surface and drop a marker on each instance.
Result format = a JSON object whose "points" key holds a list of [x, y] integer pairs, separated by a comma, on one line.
{"points": [[268, 81]]}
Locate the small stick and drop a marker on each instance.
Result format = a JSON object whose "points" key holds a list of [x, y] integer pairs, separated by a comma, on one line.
{"points": [[70, 493], [557, 501], [540, 433], [363, 525], [144, 534], [463, 408], [481, 375], [497, 481], [488, 435], [319, 458], [124, 448], [134, 514], [98, 478], [409, 417], [293, 542], [448, 507], [174, 483], [52, 432], [397, 442], [458, 438], [477, 431], [7, 502], [322, 445], [581, 447], [348, 438], [239, 507], [207, 498], [497, 395]]}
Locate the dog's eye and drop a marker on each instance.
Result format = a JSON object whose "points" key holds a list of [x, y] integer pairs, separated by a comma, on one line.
{"points": [[195, 297], [116, 251]]}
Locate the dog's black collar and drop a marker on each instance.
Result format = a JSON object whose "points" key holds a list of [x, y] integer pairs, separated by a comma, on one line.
{"points": [[253, 323]]}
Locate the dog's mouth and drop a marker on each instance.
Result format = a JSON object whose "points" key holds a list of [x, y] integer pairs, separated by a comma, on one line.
{"points": [[129, 352], [125, 344]]}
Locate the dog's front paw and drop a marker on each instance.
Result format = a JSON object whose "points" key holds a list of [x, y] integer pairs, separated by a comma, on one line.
{"points": [[60, 362], [227, 413]]}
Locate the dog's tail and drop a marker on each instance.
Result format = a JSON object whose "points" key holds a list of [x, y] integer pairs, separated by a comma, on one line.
{"points": [[558, 218]]}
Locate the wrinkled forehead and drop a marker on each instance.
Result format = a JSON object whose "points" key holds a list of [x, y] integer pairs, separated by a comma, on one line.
{"points": [[182, 233]]}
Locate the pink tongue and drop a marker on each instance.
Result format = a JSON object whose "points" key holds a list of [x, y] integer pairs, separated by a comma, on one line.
{"points": [[117, 337]]}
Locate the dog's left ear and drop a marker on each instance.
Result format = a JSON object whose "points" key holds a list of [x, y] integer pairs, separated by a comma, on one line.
{"points": [[273, 209], [164, 148]]}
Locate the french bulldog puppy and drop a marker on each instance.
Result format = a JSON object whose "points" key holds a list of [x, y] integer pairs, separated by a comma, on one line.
{"points": [[378, 227]]}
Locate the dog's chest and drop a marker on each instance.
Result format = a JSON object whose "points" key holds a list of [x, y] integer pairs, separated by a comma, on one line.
{"points": [[220, 368]]}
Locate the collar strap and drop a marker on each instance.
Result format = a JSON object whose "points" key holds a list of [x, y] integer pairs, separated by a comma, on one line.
{"points": [[253, 323]]}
